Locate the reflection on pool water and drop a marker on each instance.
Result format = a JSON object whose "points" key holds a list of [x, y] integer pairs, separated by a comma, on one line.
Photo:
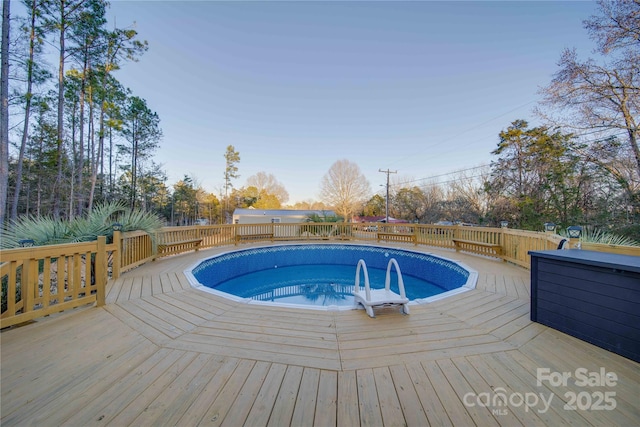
{"points": [[322, 275]]}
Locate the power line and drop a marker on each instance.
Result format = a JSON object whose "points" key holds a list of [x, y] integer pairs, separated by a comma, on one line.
{"points": [[388, 172], [444, 174], [442, 142], [434, 184], [577, 136]]}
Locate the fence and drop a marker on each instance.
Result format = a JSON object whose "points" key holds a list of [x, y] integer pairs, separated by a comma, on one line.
{"points": [[39, 281], [43, 280]]}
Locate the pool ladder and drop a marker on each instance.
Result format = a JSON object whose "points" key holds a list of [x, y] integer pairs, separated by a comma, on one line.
{"points": [[370, 298]]}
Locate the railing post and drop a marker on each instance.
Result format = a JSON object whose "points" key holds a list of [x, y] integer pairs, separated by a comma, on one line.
{"points": [[101, 270], [574, 243], [27, 284], [117, 254], [154, 248], [235, 234]]}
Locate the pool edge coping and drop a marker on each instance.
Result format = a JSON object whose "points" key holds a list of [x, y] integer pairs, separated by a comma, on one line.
{"points": [[470, 284]]}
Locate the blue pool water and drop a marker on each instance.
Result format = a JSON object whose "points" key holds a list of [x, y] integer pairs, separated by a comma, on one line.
{"points": [[323, 275]]}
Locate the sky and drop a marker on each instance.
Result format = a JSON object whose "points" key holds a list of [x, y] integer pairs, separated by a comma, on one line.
{"points": [[419, 88]]}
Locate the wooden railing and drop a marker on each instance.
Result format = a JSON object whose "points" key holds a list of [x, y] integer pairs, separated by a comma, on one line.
{"points": [[616, 249], [516, 244], [135, 248], [38, 281], [42, 280]]}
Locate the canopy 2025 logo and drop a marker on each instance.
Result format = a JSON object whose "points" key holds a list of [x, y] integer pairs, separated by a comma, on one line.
{"points": [[591, 399]]}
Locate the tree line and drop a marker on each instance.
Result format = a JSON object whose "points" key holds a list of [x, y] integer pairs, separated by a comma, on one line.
{"points": [[581, 167], [538, 175], [79, 138]]}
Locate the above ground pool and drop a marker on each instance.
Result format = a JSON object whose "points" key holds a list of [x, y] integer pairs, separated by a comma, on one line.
{"points": [[323, 275]]}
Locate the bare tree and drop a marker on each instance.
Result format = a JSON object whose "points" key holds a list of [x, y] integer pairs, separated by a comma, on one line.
{"points": [[618, 26], [345, 188], [433, 197], [470, 189], [268, 184], [310, 205], [602, 96]]}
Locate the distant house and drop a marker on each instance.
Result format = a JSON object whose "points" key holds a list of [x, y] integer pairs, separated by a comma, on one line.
{"points": [[379, 219], [266, 216]]}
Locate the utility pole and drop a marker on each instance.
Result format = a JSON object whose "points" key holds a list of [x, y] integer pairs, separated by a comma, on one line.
{"points": [[388, 172]]}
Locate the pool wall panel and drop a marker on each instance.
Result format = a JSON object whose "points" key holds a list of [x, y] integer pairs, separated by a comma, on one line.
{"points": [[444, 273]]}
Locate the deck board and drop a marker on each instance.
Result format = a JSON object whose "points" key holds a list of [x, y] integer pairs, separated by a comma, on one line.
{"points": [[348, 411], [136, 288], [261, 408], [163, 353], [429, 395], [222, 402], [519, 319], [186, 309], [33, 366], [147, 290], [167, 395], [626, 388], [241, 406], [490, 376], [144, 395], [156, 285], [182, 394], [500, 315], [132, 321], [479, 385], [121, 393], [129, 351], [512, 373], [453, 406], [390, 407], [412, 410], [326, 403], [194, 413], [305, 407], [370, 413], [283, 407], [481, 415], [87, 389]]}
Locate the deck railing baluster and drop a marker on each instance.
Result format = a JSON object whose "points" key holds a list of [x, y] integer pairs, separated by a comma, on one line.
{"points": [[27, 287]]}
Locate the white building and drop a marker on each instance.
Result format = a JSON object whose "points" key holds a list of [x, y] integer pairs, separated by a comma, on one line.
{"points": [[266, 216]]}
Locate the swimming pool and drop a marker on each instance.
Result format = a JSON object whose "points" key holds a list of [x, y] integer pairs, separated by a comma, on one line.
{"points": [[322, 276]]}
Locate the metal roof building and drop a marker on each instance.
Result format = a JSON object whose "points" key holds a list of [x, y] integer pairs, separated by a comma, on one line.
{"points": [[263, 216]]}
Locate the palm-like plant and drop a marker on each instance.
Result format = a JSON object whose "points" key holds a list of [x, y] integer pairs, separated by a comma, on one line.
{"points": [[50, 231], [595, 235]]}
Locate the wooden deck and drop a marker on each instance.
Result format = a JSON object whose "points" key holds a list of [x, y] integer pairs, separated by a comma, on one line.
{"points": [[162, 353]]}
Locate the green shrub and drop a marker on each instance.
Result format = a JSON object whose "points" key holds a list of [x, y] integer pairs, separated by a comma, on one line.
{"points": [[595, 235], [51, 231]]}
